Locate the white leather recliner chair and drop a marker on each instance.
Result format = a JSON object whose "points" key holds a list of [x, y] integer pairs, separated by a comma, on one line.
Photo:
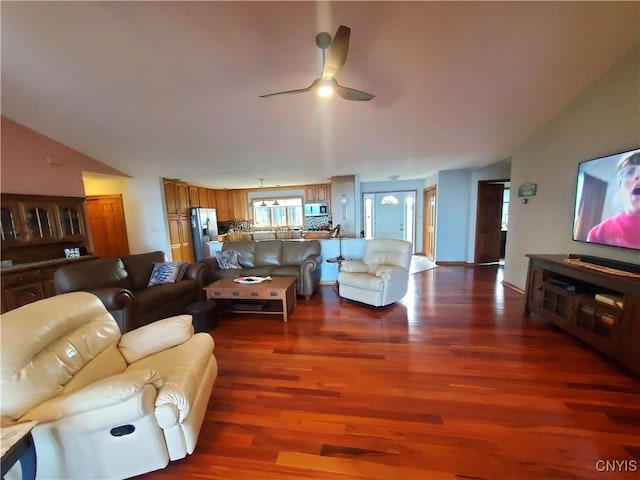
{"points": [[381, 277], [107, 405]]}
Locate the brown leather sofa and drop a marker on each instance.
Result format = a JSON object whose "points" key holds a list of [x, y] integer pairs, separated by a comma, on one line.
{"points": [[295, 258], [121, 284]]}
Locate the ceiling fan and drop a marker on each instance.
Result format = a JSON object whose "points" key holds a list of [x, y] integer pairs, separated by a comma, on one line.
{"points": [[333, 60]]}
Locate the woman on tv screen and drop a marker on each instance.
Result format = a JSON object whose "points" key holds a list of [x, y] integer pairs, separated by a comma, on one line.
{"points": [[623, 229]]}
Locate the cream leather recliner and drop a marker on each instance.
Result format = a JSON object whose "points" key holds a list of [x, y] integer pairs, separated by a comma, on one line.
{"points": [[108, 405], [381, 277]]}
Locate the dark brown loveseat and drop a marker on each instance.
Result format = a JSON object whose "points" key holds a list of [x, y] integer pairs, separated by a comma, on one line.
{"points": [[121, 284], [296, 258]]}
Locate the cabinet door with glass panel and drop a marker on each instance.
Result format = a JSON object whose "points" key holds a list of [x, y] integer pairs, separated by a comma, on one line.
{"points": [[40, 221], [71, 219], [13, 231]]}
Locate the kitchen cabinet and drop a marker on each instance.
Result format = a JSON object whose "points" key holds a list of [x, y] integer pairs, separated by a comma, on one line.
{"points": [[194, 196], [238, 204], [222, 206], [177, 203], [211, 195], [181, 239], [319, 193], [203, 197]]}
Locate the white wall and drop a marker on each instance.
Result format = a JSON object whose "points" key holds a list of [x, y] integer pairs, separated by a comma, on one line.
{"points": [[604, 120], [144, 209]]}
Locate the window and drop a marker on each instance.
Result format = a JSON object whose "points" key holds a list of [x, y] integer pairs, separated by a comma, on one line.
{"points": [[505, 209], [277, 212]]}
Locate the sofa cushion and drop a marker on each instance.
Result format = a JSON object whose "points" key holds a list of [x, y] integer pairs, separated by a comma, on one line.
{"points": [[139, 267], [297, 251], [150, 298], [166, 272], [268, 252], [101, 273], [246, 252], [228, 260]]}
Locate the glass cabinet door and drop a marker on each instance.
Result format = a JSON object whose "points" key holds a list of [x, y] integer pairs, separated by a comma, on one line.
{"points": [[9, 231], [39, 225], [70, 222]]}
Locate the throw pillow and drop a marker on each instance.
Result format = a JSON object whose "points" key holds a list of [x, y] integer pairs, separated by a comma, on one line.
{"points": [[228, 259], [182, 271], [166, 272]]}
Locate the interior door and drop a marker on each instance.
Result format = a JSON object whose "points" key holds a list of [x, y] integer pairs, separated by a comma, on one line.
{"points": [[429, 223], [107, 224], [488, 222]]}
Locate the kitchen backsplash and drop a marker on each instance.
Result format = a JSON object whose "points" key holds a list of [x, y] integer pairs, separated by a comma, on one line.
{"points": [[315, 223]]}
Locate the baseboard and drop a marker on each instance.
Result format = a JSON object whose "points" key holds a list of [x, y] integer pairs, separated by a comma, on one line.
{"points": [[454, 264], [512, 287]]}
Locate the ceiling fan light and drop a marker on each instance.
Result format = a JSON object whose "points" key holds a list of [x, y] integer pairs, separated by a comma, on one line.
{"points": [[325, 90]]}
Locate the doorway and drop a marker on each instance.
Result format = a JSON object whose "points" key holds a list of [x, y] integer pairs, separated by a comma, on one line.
{"points": [[390, 215], [491, 221], [107, 225]]}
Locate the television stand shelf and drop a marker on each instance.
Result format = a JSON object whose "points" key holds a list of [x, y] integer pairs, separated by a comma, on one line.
{"points": [[599, 307]]}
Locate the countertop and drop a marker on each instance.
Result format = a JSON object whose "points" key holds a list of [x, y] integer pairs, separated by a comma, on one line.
{"points": [[21, 267]]}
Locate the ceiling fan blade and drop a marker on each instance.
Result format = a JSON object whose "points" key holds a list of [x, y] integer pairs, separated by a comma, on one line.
{"points": [[300, 90], [353, 94], [337, 54]]}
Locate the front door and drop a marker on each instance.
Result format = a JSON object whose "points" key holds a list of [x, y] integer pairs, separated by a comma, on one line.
{"points": [[390, 215]]}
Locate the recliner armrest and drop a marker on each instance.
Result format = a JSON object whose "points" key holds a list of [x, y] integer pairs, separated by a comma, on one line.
{"points": [[112, 390], [390, 273], [354, 266], [155, 337]]}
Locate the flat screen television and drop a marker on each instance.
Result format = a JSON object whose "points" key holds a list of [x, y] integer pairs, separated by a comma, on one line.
{"points": [[607, 201]]}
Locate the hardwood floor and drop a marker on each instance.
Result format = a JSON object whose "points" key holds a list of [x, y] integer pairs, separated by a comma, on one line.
{"points": [[454, 382]]}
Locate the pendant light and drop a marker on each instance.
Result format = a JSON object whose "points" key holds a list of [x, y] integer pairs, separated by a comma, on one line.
{"points": [[263, 204]]}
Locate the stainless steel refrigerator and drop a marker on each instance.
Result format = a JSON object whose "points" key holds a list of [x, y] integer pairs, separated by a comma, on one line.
{"points": [[204, 227]]}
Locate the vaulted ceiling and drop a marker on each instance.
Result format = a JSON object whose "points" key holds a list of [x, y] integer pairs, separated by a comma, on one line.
{"points": [[171, 88]]}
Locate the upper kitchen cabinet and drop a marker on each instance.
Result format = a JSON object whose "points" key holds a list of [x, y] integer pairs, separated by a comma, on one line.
{"points": [[238, 204], [176, 196], [194, 196], [319, 193], [222, 206]]}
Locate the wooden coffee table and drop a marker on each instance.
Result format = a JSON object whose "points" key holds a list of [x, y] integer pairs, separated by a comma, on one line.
{"points": [[271, 297]]}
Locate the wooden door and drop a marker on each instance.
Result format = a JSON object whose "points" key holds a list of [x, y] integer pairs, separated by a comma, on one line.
{"points": [[108, 226], [429, 223], [488, 221]]}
